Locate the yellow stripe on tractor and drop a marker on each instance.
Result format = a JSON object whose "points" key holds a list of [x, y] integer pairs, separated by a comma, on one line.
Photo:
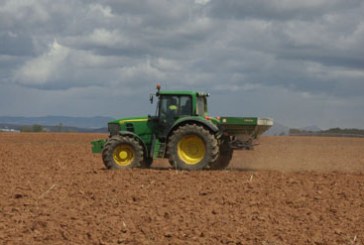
{"points": [[133, 120]]}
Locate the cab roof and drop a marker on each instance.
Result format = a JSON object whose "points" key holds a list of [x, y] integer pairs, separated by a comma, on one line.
{"points": [[181, 92]]}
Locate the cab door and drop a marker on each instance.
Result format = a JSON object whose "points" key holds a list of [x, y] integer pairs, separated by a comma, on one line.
{"points": [[171, 108]]}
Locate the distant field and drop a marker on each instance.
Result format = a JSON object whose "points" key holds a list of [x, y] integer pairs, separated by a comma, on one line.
{"points": [[289, 190]]}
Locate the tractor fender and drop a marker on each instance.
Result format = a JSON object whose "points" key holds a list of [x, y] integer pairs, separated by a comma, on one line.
{"points": [[196, 120], [131, 134]]}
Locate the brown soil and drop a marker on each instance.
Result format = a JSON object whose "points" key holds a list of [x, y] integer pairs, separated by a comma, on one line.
{"points": [[289, 190]]}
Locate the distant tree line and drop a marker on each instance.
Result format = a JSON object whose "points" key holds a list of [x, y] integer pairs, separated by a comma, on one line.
{"points": [[39, 128], [330, 132], [32, 128]]}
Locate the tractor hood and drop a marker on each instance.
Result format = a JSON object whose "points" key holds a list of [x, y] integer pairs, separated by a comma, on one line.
{"points": [[129, 120], [140, 126]]}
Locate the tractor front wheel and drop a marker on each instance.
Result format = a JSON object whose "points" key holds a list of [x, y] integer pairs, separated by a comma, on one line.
{"points": [[122, 152], [192, 147]]}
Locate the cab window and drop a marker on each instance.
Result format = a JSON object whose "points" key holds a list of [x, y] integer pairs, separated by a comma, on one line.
{"points": [[175, 105], [201, 107]]}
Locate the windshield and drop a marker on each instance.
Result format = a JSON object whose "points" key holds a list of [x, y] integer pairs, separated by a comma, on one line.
{"points": [[175, 105]]}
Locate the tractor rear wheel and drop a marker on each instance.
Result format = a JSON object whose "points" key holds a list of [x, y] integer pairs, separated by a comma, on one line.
{"points": [[192, 147], [225, 156], [122, 152]]}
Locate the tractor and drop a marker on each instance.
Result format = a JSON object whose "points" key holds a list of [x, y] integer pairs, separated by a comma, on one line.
{"points": [[181, 131]]}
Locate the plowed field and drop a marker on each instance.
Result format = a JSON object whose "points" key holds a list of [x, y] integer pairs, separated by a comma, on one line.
{"points": [[289, 190]]}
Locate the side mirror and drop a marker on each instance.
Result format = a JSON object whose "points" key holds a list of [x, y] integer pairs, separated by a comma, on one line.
{"points": [[151, 98]]}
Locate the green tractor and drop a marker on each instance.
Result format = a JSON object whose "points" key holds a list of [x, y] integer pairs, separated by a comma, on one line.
{"points": [[181, 131]]}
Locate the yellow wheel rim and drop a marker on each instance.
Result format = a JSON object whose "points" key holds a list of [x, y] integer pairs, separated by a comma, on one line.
{"points": [[123, 155], [191, 149]]}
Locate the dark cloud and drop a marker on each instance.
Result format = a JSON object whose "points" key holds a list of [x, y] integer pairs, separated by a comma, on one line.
{"points": [[281, 10], [15, 44]]}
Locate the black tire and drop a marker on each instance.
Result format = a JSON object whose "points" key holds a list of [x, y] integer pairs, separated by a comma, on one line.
{"points": [[225, 156], [122, 152], [192, 147]]}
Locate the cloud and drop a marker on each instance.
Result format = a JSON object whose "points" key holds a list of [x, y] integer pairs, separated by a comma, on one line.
{"points": [[281, 10], [41, 70], [202, 2], [104, 10], [22, 10], [61, 67]]}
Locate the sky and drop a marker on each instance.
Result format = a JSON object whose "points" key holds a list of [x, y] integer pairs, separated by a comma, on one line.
{"points": [[298, 62]]}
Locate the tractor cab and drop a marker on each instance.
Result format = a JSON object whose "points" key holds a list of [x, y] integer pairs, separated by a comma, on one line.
{"points": [[181, 103], [176, 105]]}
